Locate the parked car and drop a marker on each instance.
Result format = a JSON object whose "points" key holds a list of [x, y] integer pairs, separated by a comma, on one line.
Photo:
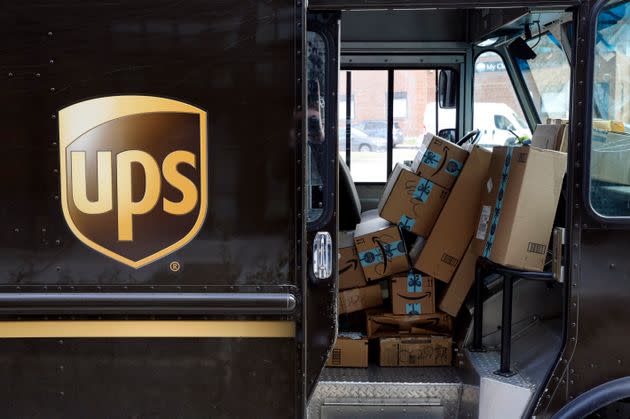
{"points": [[379, 129], [360, 141]]}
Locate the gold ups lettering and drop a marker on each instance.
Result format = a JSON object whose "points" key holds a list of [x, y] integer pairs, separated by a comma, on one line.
{"points": [[133, 175]]}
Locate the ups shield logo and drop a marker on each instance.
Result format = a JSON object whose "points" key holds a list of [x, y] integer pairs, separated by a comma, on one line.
{"points": [[133, 175]]}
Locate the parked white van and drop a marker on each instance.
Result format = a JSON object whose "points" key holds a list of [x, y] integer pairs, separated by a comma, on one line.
{"points": [[498, 123]]}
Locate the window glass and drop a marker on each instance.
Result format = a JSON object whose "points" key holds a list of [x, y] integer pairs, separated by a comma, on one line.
{"points": [[610, 141], [497, 112], [316, 150], [548, 77], [415, 90], [368, 134]]}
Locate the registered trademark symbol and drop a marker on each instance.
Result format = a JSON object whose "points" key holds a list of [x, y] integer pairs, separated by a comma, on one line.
{"points": [[175, 266]]}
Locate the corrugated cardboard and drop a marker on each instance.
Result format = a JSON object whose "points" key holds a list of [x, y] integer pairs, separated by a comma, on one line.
{"points": [[461, 283], [518, 206], [548, 136], [350, 350], [457, 221], [439, 160], [350, 272], [388, 324], [411, 201], [417, 351], [413, 293], [357, 299], [610, 157], [381, 249]]}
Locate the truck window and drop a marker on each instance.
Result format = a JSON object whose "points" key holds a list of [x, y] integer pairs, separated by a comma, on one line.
{"points": [[610, 140], [547, 77], [497, 112]]}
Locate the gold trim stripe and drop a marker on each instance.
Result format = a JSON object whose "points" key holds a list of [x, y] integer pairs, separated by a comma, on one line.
{"points": [[147, 329]]}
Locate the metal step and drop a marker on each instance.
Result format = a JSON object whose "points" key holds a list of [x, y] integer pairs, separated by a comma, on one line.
{"points": [[393, 392]]}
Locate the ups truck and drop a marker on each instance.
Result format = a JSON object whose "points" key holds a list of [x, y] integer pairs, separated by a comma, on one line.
{"points": [[174, 185]]}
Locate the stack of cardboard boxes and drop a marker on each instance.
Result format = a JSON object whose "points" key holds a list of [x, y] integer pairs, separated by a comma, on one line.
{"points": [[455, 204]]}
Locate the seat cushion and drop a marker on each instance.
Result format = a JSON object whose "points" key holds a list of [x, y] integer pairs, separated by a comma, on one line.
{"points": [[349, 203]]}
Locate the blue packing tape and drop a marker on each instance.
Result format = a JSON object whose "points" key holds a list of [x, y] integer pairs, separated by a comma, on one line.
{"points": [[498, 206], [431, 159], [423, 190], [413, 308], [375, 255], [406, 223], [414, 282]]}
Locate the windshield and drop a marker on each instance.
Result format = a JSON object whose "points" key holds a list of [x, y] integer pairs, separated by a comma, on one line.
{"points": [[547, 77]]}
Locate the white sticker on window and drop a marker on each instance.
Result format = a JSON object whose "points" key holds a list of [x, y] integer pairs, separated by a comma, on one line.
{"points": [[482, 228], [489, 185]]}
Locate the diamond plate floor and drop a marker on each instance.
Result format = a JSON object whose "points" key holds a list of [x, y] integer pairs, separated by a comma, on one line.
{"points": [[429, 386]]}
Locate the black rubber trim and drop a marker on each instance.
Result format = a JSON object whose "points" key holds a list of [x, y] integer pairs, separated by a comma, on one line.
{"points": [[147, 303], [595, 398]]}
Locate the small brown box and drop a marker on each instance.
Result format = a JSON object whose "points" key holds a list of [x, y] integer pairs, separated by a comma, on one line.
{"points": [[388, 324], [350, 272], [413, 293], [381, 249], [357, 299], [416, 351], [439, 160], [350, 350]]}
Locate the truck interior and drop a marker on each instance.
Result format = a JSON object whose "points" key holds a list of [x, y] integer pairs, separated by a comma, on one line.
{"points": [[493, 73]]}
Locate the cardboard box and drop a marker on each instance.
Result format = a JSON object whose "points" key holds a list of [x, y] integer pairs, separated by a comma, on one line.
{"points": [[460, 285], [548, 136], [357, 299], [417, 351], [608, 125], [350, 350], [457, 221], [381, 249], [439, 160], [388, 324], [518, 206], [412, 294], [350, 272], [411, 201]]}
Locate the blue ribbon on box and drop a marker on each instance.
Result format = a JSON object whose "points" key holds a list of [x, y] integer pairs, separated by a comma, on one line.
{"points": [[413, 308], [499, 203], [432, 159], [406, 223], [423, 190], [414, 282], [375, 255], [453, 167]]}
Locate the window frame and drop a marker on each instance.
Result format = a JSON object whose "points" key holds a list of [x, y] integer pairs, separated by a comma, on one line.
{"points": [[392, 63], [587, 122]]}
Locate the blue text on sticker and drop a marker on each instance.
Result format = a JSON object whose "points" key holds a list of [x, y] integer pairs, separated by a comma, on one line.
{"points": [[423, 190]]}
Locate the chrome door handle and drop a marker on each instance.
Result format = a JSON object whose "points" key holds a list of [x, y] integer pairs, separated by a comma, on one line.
{"points": [[322, 255]]}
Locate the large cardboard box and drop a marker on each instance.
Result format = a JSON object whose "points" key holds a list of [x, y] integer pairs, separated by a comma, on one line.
{"points": [[439, 161], [357, 299], [388, 324], [460, 285], [350, 272], [413, 293], [350, 350], [381, 249], [417, 351], [518, 206], [457, 221], [548, 136], [411, 201]]}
